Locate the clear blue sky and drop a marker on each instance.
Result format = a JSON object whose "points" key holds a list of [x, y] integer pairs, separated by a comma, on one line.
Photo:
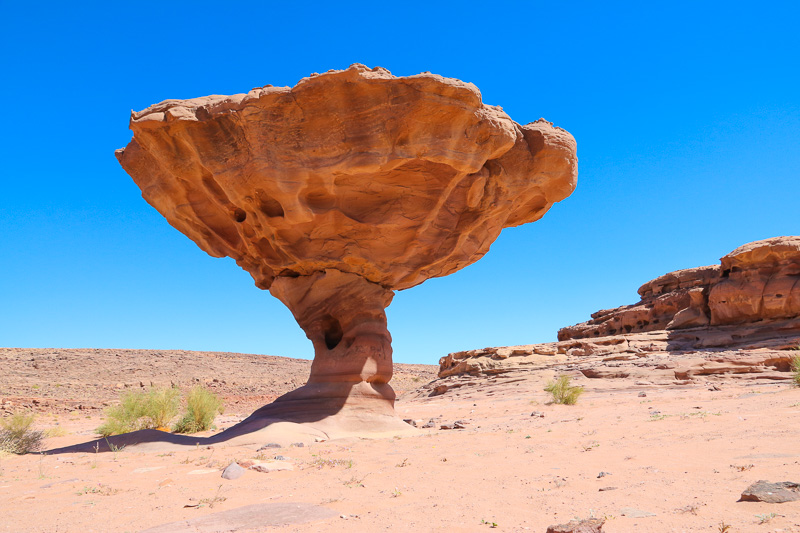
{"points": [[687, 117]]}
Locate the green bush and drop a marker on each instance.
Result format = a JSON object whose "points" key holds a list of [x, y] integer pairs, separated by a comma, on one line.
{"points": [[562, 392], [162, 406], [202, 407], [141, 410], [17, 435], [796, 369]]}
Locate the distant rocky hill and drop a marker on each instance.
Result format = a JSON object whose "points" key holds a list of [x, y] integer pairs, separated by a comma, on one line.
{"points": [[737, 319], [59, 379]]}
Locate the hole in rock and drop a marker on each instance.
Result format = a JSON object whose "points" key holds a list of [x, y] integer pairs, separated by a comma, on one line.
{"points": [[332, 330], [239, 214], [628, 328], [779, 296], [726, 273], [288, 273], [270, 206]]}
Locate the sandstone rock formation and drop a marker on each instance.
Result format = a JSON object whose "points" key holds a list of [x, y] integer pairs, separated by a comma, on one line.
{"points": [[336, 192], [757, 281], [739, 320]]}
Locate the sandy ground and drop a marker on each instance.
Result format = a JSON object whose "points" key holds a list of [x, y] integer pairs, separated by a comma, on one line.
{"points": [[676, 459]]}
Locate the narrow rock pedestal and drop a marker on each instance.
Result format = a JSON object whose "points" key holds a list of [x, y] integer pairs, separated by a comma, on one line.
{"points": [[344, 316]]}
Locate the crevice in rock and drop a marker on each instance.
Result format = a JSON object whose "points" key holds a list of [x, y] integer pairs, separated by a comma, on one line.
{"points": [[332, 331]]}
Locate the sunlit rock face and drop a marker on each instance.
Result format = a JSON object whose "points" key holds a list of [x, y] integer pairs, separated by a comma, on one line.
{"points": [[759, 281], [354, 183]]}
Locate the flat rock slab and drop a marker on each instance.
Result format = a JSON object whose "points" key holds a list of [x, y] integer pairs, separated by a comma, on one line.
{"points": [[248, 518], [764, 491], [271, 466], [592, 525], [630, 512]]}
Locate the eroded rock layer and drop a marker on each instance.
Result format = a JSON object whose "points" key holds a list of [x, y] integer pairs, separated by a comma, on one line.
{"points": [[751, 351], [396, 179], [757, 281], [739, 320]]}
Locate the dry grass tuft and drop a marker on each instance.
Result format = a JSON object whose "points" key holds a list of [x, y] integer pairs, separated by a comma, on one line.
{"points": [[17, 435], [795, 364], [141, 410], [562, 392], [202, 407]]}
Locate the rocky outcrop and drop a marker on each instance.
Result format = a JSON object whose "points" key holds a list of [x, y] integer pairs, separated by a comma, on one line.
{"points": [[738, 320], [337, 191], [757, 281], [755, 351]]}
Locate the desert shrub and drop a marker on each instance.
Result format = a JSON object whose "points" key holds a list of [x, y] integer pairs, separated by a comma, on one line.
{"points": [[562, 392], [796, 369], [141, 410], [202, 407], [162, 405], [17, 435]]}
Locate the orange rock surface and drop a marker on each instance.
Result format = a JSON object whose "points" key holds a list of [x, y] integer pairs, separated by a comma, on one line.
{"points": [[757, 281], [350, 184]]}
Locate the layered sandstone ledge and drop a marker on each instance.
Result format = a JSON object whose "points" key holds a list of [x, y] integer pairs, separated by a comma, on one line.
{"points": [[757, 281], [740, 319]]}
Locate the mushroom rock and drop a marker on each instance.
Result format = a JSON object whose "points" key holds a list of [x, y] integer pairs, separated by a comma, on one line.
{"points": [[340, 190]]}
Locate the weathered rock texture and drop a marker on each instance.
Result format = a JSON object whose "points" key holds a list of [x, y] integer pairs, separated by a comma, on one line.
{"points": [[757, 281], [740, 320], [764, 491], [350, 185]]}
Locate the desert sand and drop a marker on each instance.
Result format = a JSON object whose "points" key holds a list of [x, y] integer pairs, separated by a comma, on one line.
{"points": [[674, 459]]}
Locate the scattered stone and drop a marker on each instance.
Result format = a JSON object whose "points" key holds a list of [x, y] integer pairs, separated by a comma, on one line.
{"points": [[459, 424], [232, 471], [764, 491], [714, 388], [447, 426], [603, 474], [537, 414], [429, 424], [603, 489], [271, 466], [410, 422], [591, 525], [297, 445], [635, 513], [281, 458], [439, 389], [166, 483], [268, 446], [642, 395]]}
